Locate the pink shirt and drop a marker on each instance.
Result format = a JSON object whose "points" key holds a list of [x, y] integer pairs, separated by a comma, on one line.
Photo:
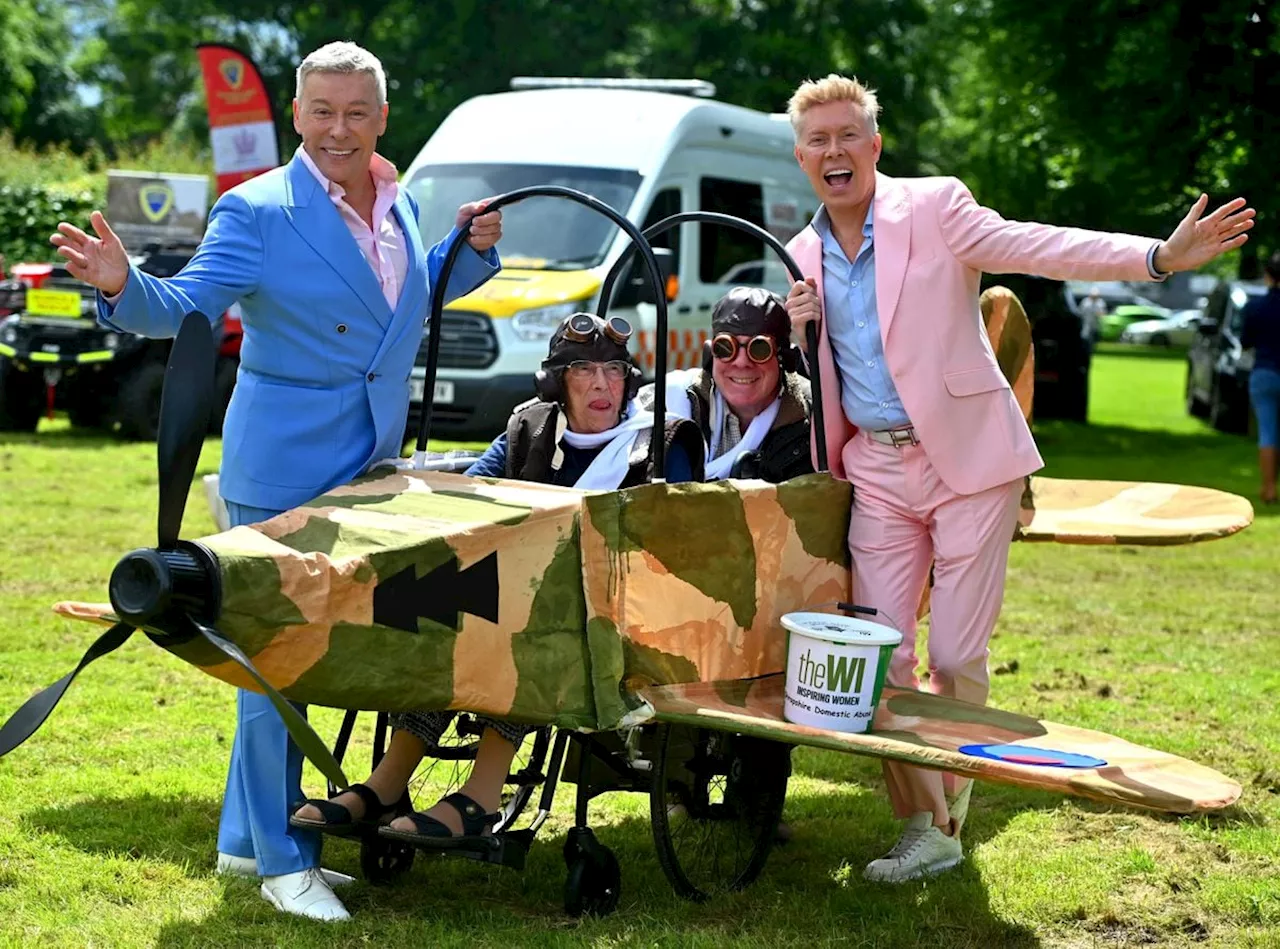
{"points": [[384, 245]]}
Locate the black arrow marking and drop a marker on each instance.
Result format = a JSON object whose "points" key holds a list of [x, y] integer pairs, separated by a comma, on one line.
{"points": [[441, 596]]}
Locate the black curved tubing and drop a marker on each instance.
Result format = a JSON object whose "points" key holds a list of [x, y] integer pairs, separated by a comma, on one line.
{"points": [[595, 204], [728, 220]]}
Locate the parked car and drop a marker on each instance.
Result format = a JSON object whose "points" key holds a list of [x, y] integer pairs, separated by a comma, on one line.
{"points": [[1063, 350], [1217, 368], [1111, 326], [1178, 330]]}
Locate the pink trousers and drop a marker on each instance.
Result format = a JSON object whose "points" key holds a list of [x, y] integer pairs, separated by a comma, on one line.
{"points": [[905, 518]]}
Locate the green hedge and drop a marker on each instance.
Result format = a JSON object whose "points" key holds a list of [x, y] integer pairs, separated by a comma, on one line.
{"points": [[40, 187], [30, 213]]}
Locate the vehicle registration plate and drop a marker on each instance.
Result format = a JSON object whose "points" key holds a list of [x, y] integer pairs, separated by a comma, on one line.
{"points": [[53, 303], [444, 391]]}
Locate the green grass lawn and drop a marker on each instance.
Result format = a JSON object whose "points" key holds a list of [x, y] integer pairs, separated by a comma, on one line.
{"points": [[108, 826]]}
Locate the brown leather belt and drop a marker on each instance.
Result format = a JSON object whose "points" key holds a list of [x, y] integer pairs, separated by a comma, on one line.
{"points": [[897, 437]]}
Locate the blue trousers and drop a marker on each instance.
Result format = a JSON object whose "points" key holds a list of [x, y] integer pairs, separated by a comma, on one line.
{"points": [[264, 781]]}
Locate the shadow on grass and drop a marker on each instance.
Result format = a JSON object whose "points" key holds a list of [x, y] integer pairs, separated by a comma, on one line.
{"points": [[810, 893], [181, 830]]}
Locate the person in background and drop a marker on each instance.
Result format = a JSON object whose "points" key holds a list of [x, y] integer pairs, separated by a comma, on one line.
{"points": [[1261, 334]]}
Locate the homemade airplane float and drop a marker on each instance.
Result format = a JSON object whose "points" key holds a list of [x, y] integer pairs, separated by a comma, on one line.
{"points": [[644, 625]]}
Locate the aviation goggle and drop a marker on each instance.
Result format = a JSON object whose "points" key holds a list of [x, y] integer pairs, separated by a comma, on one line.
{"points": [[583, 327], [760, 349]]}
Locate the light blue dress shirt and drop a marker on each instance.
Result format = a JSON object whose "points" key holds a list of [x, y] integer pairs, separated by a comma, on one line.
{"points": [[867, 394]]}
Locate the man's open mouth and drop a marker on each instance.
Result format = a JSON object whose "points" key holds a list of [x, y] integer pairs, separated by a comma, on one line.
{"points": [[840, 176]]}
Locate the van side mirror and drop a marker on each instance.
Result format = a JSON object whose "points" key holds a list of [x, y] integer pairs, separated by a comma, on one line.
{"points": [[638, 288]]}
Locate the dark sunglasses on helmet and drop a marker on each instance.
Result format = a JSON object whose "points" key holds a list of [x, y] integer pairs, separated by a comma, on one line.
{"points": [[759, 349], [583, 327]]}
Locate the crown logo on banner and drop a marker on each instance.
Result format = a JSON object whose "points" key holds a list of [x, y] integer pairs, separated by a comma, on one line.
{"points": [[244, 142]]}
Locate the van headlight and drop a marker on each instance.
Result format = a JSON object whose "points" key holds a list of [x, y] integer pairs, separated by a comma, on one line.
{"points": [[540, 322], [9, 334]]}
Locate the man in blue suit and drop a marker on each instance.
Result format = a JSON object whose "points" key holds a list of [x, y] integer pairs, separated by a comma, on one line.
{"points": [[327, 262]]}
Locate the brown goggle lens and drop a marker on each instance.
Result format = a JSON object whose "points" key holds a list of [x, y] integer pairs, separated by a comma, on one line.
{"points": [[759, 348]]}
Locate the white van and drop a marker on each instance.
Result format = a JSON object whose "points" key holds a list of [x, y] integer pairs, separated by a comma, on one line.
{"points": [[639, 147]]}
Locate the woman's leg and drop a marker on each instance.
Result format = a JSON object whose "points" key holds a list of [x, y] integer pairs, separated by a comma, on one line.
{"points": [[497, 748], [412, 733], [1264, 393]]}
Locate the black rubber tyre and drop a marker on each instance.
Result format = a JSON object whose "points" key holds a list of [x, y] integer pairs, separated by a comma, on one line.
{"points": [[1221, 417], [1195, 408], [384, 861], [137, 407], [593, 884], [716, 802], [21, 399]]}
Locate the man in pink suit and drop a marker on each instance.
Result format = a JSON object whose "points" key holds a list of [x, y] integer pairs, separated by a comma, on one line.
{"points": [[917, 414]]}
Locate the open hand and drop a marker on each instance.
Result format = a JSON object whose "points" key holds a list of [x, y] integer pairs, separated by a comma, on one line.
{"points": [[486, 229], [803, 306], [98, 261], [1196, 240]]}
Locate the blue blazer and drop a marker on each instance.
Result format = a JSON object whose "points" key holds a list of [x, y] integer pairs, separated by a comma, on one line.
{"points": [[323, 387]]}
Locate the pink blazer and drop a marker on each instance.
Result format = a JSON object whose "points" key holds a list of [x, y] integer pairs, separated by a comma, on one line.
{"points": [[933, 242]]}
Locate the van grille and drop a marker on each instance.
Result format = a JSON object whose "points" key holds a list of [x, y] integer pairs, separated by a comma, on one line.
{"points": [[467, 341]]}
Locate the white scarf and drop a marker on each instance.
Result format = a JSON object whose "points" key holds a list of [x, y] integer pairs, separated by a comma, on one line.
{"points": [[610, 466], [678, 402]]}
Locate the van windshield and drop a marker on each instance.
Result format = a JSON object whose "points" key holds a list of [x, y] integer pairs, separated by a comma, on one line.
{"points": [[537, 233]]}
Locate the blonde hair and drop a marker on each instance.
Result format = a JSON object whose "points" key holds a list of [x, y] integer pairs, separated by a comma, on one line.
{"points": [[833, 88]]}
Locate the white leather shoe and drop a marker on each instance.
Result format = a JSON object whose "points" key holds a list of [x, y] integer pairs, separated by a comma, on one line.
{"points": [[231, 865], [921, 851], [247, 867], [304, 894]]}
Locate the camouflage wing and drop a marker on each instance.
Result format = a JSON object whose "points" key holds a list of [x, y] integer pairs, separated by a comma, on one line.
{"points": [[687, 582], [408, 590], [1067, 511], [930, 731]]}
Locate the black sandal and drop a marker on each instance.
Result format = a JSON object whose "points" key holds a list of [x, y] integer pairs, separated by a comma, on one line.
{"points": [[436, 835], [337, 820]]}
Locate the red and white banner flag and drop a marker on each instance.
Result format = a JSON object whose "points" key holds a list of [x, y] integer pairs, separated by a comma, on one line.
{"points": [[241, 121]]}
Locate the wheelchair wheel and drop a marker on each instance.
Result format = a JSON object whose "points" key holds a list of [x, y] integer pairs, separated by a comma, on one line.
{"points": [[715, 805], [594, 881], [384, 861], [447, 764]]}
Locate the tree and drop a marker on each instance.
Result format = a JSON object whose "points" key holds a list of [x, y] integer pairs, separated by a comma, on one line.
{"points": [[1118, 118]]}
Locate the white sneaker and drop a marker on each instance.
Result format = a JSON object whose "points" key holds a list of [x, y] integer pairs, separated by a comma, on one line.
{"points": [[958, 807], [231, 865], [247, 867], [922, 850], [304, 894]]}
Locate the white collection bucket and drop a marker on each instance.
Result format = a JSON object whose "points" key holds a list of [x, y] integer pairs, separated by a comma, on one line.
{"points": [[835, 669]]}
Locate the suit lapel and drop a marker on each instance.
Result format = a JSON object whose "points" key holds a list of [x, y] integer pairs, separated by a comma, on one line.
{"points": [[892, 226], [318, 223], [409, 313], [807, 251]]}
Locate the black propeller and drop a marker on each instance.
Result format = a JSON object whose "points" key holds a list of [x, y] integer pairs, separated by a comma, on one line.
{"points": [[171, 591]]}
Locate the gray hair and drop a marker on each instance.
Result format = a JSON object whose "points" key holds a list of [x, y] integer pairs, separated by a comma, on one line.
{"points": [[343, 57]]}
